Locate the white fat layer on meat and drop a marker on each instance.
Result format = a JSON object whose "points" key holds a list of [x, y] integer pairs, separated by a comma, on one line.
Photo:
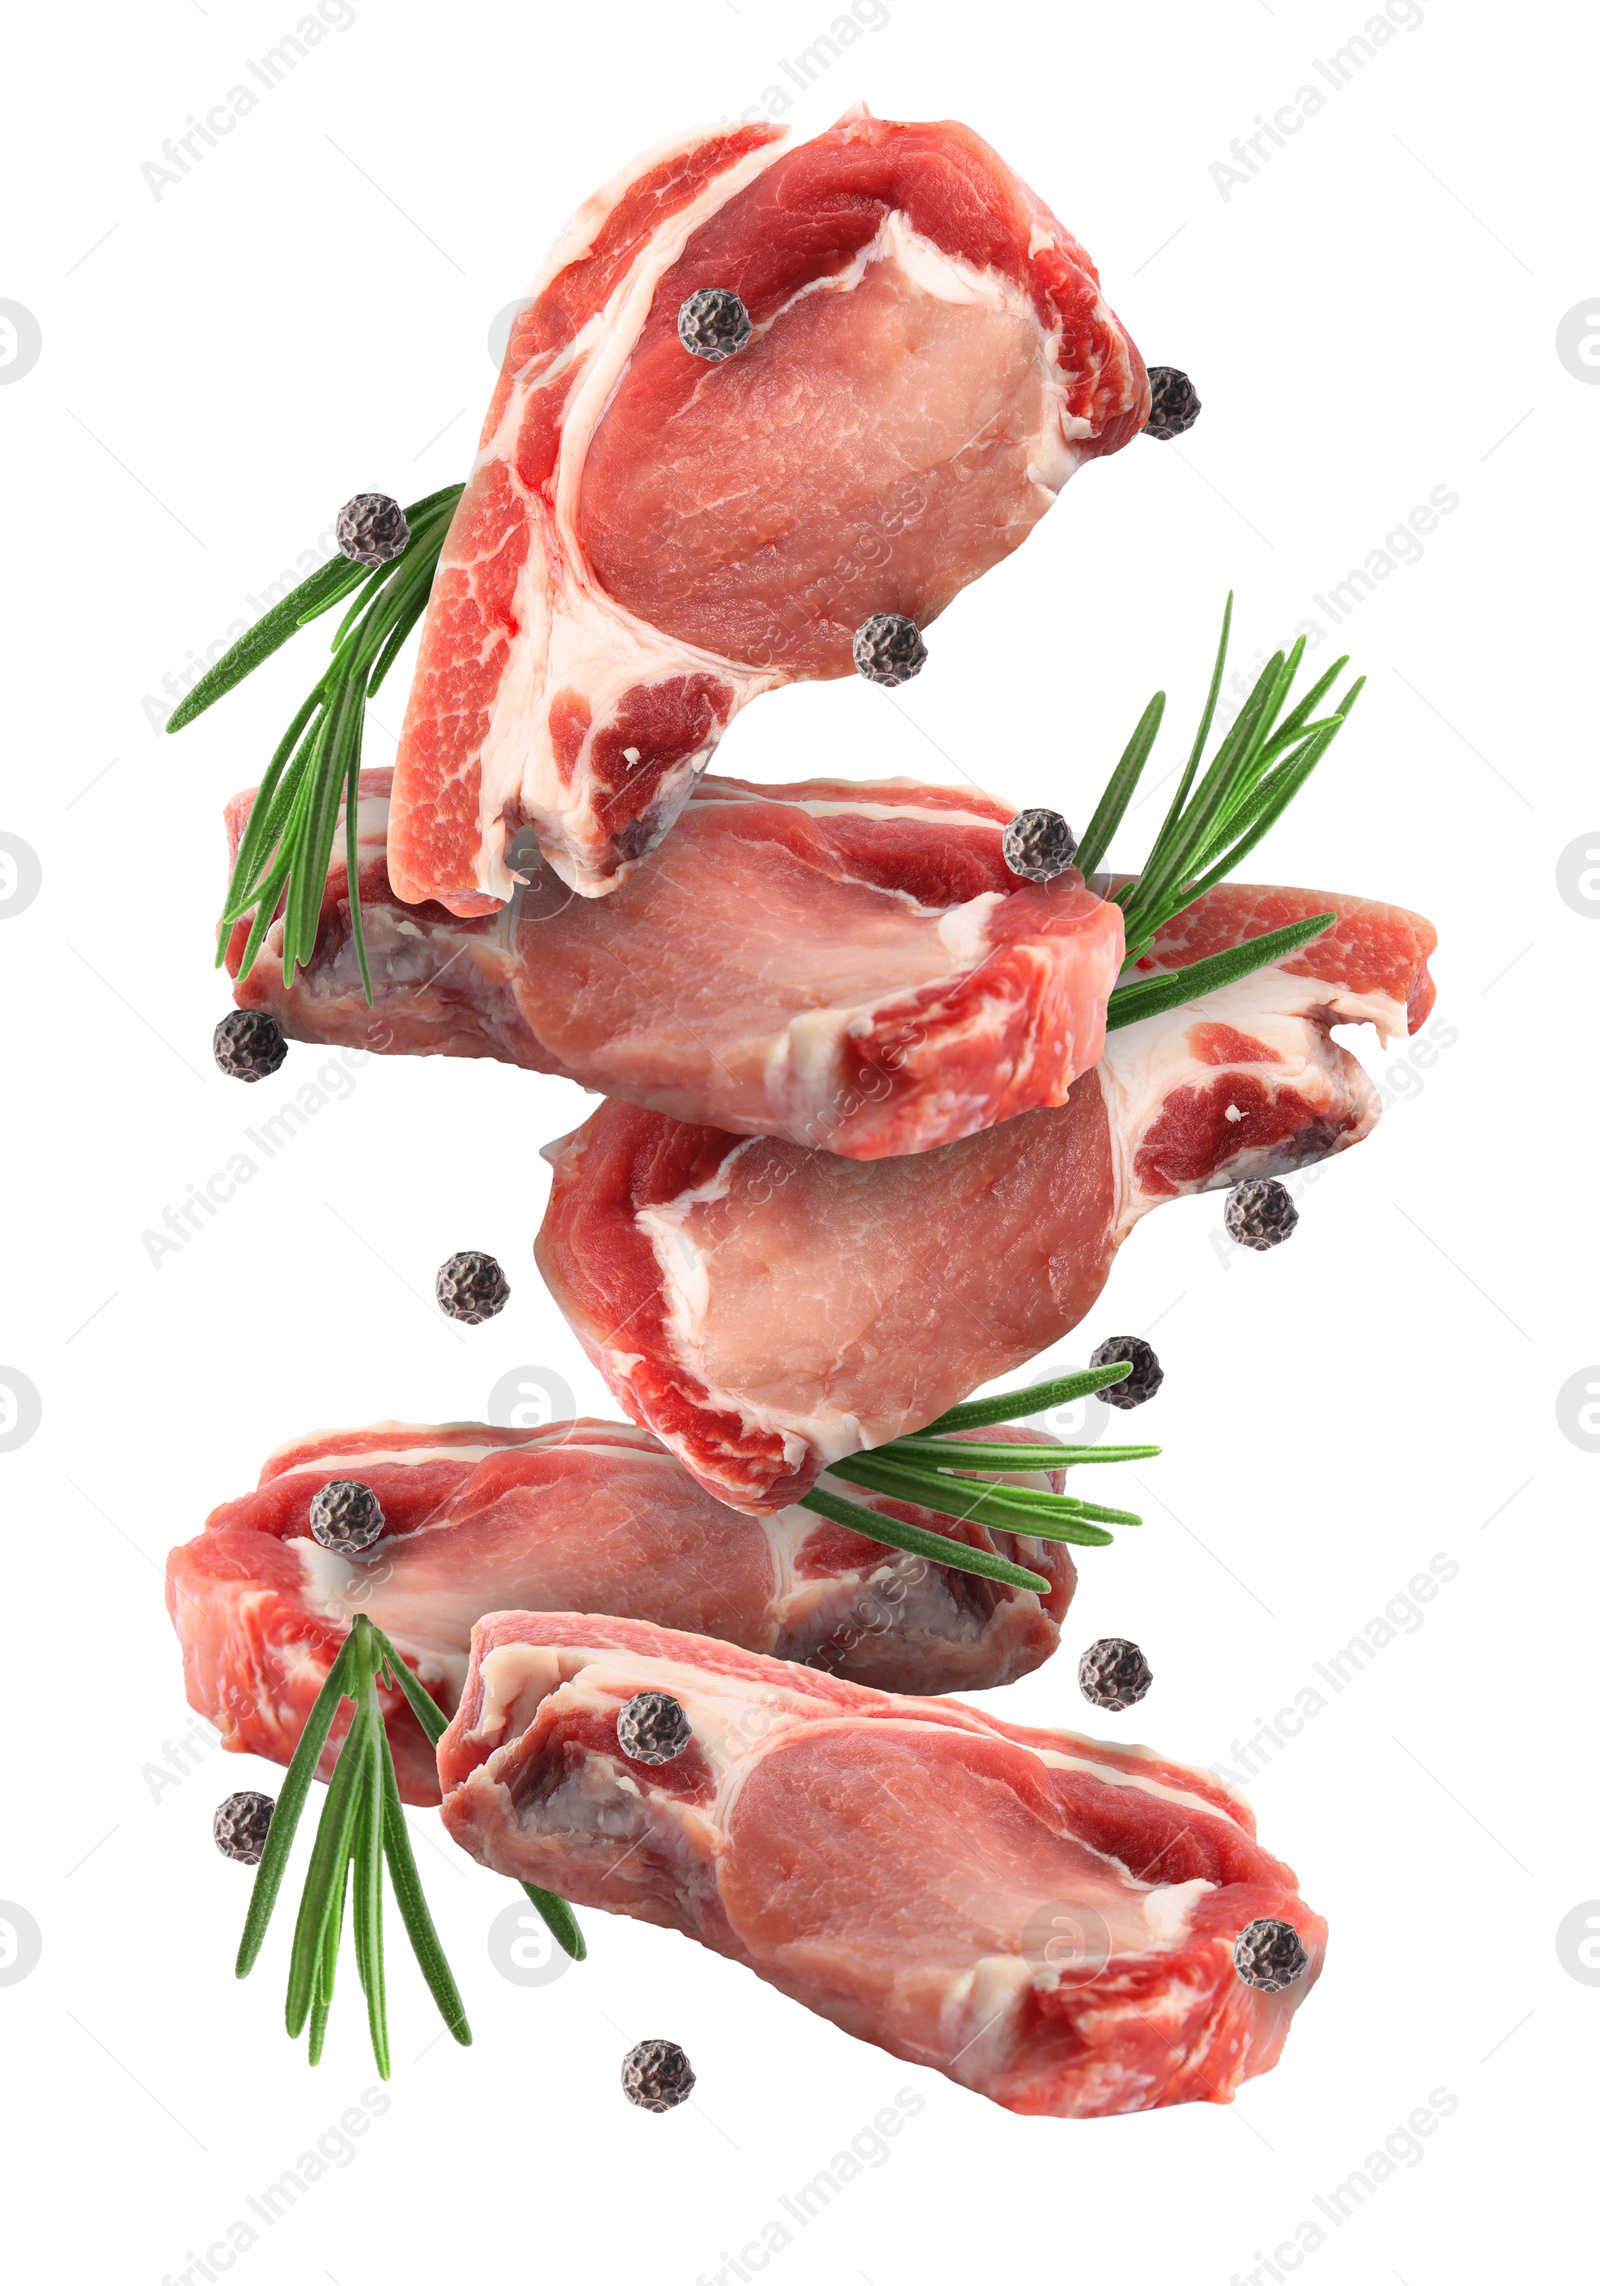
{"points": [[332, 1450], [803, 1065], [332, 1586], [1169, 1911], [1118, 1774], [686, 1290], [372, 824], [947, 277], [1136, 1920], [952, 277], [389, 1456], [326, 1578], [964, 929], [1144, 1063], [578, 234], [685, 1293], [730, 1714], [979, 2008], [868, 804], [325, 1445], [508, 1671], [568, 628]]}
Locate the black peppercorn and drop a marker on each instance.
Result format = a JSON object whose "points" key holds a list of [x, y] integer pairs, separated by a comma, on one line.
{"points": [[1141, 1384], [1174, 404], [372, 529], [652, 1727], [1269, 1956], [345, 1516], [249, 1044], [239, 1828], [472, 1287], [1039, 844], [1260, 1214], [714, 324], [1114, 1674], [888, 649], [657, 2075]]}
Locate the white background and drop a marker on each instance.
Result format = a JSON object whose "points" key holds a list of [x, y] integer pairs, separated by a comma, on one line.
{"points": [[1370, 316]]}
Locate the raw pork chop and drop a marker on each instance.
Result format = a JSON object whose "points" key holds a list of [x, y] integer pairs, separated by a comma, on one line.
{"points": [[648, 539], [767, 1310], [852, 966], [586, 1512], [1046, 1919]]}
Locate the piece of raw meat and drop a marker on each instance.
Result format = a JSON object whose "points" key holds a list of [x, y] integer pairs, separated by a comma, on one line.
{"points": [[768, 1310], [1047, 1919], [649, 539], [580, 1514], [852, 966]]}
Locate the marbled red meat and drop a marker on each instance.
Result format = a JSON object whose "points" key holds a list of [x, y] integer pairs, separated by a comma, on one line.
{"points": [[768, 1310], [648, 540], [1047, 1919], [580, 1514], [851, 966]]}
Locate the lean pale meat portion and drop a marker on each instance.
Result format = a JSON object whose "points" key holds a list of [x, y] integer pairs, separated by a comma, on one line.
{"points": [[851, 966], [1047, 1919], [768, 1310], [582, 1514], [648, 540]]}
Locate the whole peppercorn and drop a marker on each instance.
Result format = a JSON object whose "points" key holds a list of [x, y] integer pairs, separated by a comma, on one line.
{"points": [[372, 529], [1039, 844], [1174, 404], [652, 1727], [1141, 1384], [472, 1287], [657, 2075], [345, 1516], [249, 1044], [889, 649], [1260, 1214], [239, 1828], [714, 324], [1114, 1674], [1269, 1956]]}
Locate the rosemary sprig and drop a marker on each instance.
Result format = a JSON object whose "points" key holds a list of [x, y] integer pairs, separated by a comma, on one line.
{"points": [[288, 839], [1261, 763], [932, 1469], [362, 1825]]}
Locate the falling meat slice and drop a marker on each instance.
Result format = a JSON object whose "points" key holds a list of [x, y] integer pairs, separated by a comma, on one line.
{"points": [[1047, 1919], [649, 539], [768, 1310], [580, 1514], [851, 966]]}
